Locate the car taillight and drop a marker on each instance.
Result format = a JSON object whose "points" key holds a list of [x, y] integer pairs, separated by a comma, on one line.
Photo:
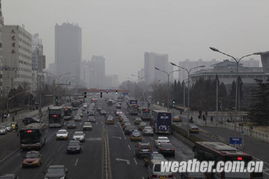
{"points": [[170, 176]]}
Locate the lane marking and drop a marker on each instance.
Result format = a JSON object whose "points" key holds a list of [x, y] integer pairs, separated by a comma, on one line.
{"points": [[76, 162], [116, 137], [129, 147], [135, 161], [123, 160], [94, 139]]}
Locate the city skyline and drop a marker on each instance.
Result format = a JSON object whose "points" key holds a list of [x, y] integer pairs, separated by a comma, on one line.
{"points": [[112, 35]]}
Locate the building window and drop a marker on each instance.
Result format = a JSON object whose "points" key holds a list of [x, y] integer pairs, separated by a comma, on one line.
{"points": [[13, 44], [13, 51], [13, 37]]}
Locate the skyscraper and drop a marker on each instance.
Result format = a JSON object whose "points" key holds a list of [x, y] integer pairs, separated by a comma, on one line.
{"points": [[68, 52], [99, 71], [152, 60]]}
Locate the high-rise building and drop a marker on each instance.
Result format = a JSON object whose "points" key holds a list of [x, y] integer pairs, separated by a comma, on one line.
{"points": [[38, 63], [99, 72], [68, 52], [17, 57], [1, 50], [152, 60]]}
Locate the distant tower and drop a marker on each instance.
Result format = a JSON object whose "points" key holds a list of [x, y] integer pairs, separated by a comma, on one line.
{"points": [[1, 16]]}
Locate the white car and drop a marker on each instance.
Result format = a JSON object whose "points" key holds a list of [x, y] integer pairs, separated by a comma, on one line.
{"points": [[161, 139], [62, 134], [3, 130], [77, 118], [79, 135], [148, 130]]}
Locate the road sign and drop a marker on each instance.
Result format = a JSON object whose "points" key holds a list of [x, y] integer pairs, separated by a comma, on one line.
{"points": [[235, 140]]}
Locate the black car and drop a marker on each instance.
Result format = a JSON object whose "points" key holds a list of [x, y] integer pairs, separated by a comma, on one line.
{"points": [[142, 149], [167, 149], [56, 172], [9, 176], [73, 147], [129, 129], [91, 113], [71, 125]]}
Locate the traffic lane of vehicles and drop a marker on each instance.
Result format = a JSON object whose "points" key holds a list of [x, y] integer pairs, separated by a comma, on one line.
{"points": [[123, 162], [78, 165]]}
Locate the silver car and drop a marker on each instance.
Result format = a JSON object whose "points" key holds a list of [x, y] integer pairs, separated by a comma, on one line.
{"points": [[3, 130]]}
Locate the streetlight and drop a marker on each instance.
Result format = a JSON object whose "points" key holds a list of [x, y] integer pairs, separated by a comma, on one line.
{"points": [[168, 77], [188, 70], [237, 61]]}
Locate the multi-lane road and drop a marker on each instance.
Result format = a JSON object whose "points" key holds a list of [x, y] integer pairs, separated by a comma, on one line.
{"points": [[105, 152]]}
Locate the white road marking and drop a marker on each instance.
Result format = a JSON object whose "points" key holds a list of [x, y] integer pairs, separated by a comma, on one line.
{"points": [[76, 162], [135, 161], [123, 160], [116, 137], [94, 139], [129, 147]]}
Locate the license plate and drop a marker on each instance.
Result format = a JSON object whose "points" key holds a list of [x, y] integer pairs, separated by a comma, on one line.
{"points": [[162, 177]]}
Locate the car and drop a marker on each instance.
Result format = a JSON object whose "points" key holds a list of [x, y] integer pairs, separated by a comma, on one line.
{"points": [[125, 124], [3, 130], [91, 119], [193, 129], [91, 113], [32, 159], [154, 156], [118, 106], [129, 129], [148, 130], [99, 109], [137, 121], [8, 127], [177, 118], [71, 125], [161, 139], [9, 176], [103, 112], [142, 125], [110, 120], [87, 126], [142, 149], [62, 134], [136, 136], [167, 149], [118, 112], [73, 146], [77, 118], [79, 135], [56, 172], [154, 171]]}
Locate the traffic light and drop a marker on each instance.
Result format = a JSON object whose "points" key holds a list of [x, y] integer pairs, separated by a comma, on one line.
{"points": [[85, 94], [101, 94], [56, 100]]}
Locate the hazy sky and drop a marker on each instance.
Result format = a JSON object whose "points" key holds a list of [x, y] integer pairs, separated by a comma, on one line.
{"points": [[122, 30]]}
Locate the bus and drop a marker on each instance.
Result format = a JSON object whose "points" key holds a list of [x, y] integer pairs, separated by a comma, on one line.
{"points": [[132, 107], [217, 151], [68, 113], [33, 136], [161, 122], [56, 116], [145, 113]]}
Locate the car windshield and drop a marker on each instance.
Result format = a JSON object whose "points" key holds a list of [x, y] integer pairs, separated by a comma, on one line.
{"points": [[78, 133], [62, 132], [31, 155], [157, 168]]}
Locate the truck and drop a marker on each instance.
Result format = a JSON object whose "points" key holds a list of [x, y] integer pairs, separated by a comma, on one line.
{"points": [[133, 107], [161, 122]]}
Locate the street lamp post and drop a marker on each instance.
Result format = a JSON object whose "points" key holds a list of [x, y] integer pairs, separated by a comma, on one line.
{"points": [[237, 61], [168, 80], [188, 70]]}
